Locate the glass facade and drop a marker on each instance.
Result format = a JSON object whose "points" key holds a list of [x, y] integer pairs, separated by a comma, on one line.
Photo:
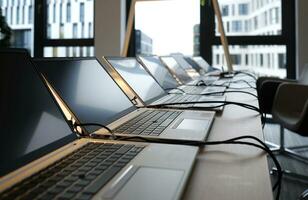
{"points": [[171, 30], [19, 17], [262, 59], [66, 19]]}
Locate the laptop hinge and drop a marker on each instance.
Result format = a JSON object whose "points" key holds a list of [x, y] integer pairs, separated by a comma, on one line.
{"points": [[134, 100]]}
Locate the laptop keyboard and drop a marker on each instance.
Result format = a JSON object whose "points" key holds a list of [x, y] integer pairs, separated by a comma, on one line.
{"points": [[182, 98], [193, 90], [80, 175], [150, 122]]}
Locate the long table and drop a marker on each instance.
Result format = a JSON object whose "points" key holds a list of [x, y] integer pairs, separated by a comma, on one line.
{"points": [[232, 171]]}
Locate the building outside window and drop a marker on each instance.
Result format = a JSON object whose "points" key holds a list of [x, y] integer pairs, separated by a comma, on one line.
{"points": [[243, 9], [59, 24], [254, 18]]}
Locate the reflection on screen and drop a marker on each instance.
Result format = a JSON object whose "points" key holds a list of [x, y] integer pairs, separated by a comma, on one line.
{"points": [[30, 119], [202, 63], [136, 76], [87, 89], [158, 70], [174, 66]]}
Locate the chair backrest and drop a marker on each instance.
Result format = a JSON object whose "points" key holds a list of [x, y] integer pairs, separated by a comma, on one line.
{"points": [[303, 77]]}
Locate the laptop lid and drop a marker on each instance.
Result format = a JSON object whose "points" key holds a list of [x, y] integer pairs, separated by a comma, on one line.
{"points": [[159, 72], [31, 123], [138, 78], [177, 70], [202, 63], [193, 64], [181, 61], [88, 90]]}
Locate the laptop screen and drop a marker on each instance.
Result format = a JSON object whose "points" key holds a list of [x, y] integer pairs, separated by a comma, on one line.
{"points": [[87, 89], [138, 78], [202, 63], [30, 121], [177, 70], [158, 70]]}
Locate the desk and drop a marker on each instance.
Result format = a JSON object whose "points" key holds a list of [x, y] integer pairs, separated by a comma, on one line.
{"points": [[232, 171]]}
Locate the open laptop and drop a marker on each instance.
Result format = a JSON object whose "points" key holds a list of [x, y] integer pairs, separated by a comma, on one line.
{"points": [[185, 65], [129, 72], [184, 77], [93, 96], [165, 79], [42, 158]]}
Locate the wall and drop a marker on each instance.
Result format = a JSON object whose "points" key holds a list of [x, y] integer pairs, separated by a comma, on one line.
{"points": [[109, 27], [301, 34]]}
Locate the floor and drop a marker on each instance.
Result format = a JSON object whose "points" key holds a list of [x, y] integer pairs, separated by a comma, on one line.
{"points": [[291, 187]]}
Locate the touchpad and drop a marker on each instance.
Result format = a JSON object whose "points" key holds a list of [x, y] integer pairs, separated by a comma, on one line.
{"points": [[192, 124], [151, 183]]}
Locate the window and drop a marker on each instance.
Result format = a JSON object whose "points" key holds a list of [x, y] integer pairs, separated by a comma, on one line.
{"points": [[256, 20], [261, 60], [68, 12], [54, 13], [71, 30], [236, 26], [75, 31], [19, 17], [180, 27], [243, 9], [81, 12], [60, 9], [225, 11]]}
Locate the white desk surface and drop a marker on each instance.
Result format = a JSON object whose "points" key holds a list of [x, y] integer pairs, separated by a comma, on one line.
{"points": [[232, 172]]}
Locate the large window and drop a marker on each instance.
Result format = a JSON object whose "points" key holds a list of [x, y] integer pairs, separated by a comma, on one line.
{"points": [[69, 28], [19, 17], [60, 27], [261, 35], [164, 27]]}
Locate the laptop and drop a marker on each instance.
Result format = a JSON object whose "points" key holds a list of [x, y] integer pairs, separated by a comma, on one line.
{"points": [[42, 158], [184, 77], [179, 58], [189, 59], [202, 63], [165, 79], [129, 72], [94, 97]]}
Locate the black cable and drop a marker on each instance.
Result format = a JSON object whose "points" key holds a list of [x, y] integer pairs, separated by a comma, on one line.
{"points": [[222, 92], [228, 141], [244, 81], [197, 143], [246, 73], [221, 103], [96, 124], [168, 89], [227, 85]]}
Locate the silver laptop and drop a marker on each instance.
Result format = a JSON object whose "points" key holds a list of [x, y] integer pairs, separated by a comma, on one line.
{"points": [[165, 79], [93, 96], [42, 158], [179, 72], [129, 72]]}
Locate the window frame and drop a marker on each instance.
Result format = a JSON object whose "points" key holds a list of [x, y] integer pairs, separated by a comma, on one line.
{"points": [[40, 32], [208, 39], [286, 38]]}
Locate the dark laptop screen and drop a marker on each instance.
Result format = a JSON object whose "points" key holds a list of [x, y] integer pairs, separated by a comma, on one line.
{"points": [[158, 70], [87, 89], [31, 123], [174, 66], [136, 76]]}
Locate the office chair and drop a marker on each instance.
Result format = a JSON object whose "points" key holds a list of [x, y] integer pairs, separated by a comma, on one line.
{"points": [[266, 89], [290, 109]]}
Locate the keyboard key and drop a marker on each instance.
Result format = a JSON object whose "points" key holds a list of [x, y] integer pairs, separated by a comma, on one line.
{"points": [[102, 180]]}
